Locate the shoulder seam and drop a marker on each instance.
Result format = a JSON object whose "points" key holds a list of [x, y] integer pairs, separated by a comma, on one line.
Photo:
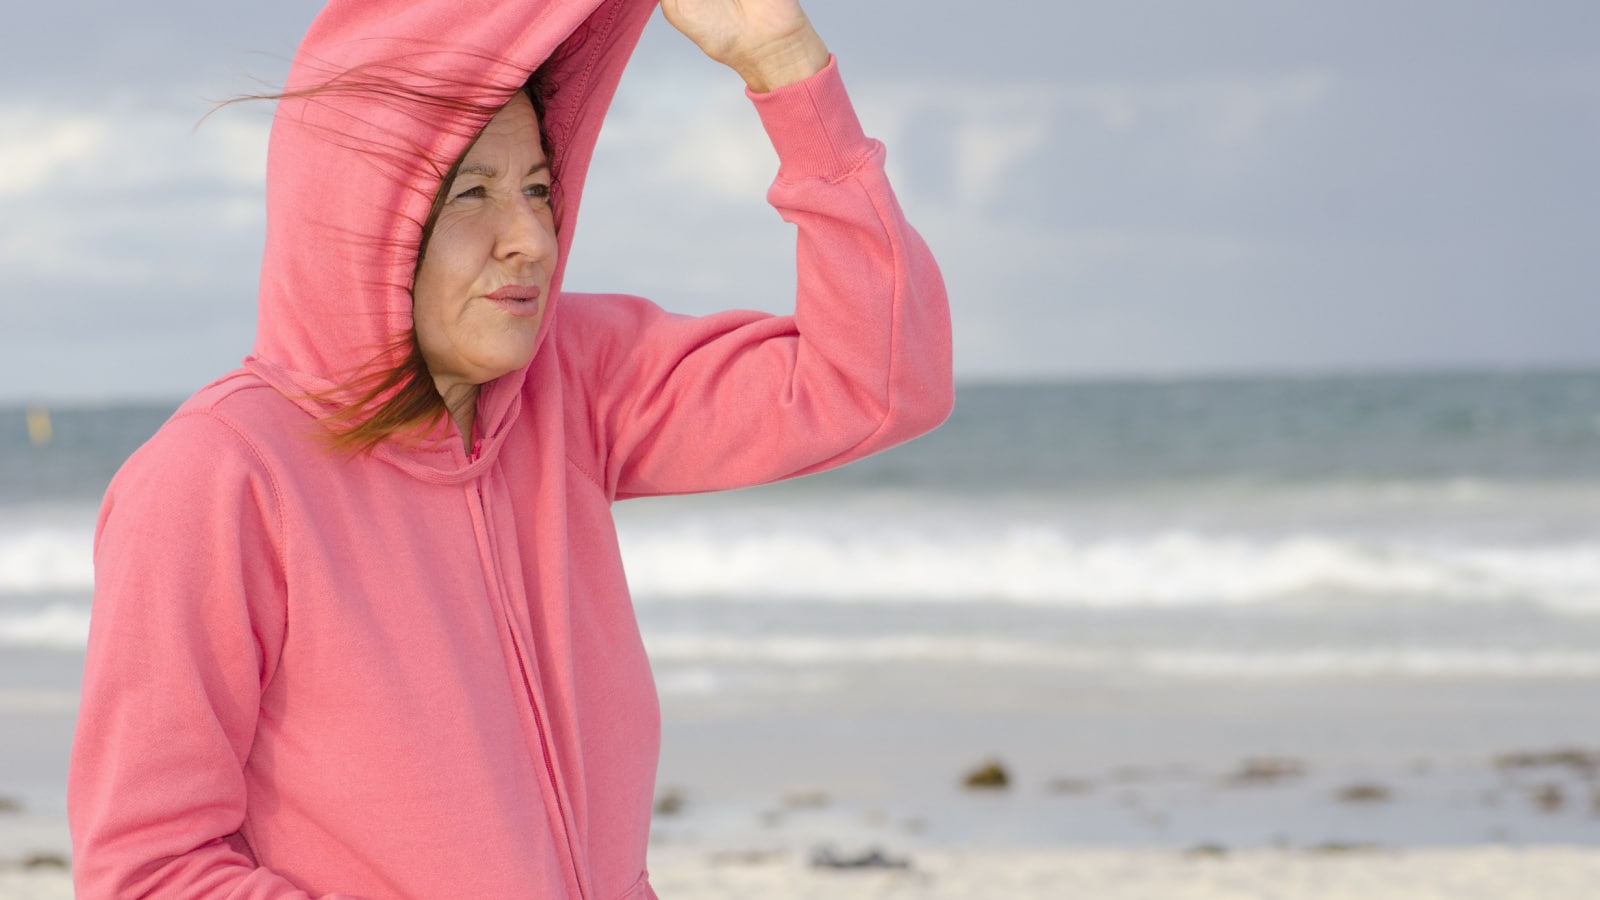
{"points": [[279, 526]]}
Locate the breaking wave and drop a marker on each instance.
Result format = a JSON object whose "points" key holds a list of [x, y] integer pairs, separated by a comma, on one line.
{"points": [[1028, 564], [57, 627], [50, 556], [1043, 566]]}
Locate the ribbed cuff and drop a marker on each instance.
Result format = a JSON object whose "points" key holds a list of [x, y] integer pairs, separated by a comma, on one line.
{"points": [[813, 126]]}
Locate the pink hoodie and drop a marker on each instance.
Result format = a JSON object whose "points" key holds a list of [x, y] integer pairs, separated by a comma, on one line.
{"points": [[417, 673]]}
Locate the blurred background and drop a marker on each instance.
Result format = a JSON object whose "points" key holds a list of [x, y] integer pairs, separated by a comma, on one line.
{"points": [[1114, 189], [1268, 515]]}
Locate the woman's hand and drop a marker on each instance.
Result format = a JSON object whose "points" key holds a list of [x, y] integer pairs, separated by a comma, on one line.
{"points": [[770, 43]]}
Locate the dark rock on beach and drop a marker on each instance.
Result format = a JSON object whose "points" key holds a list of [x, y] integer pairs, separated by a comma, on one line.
{"points": [[670, 803], [1365, 792], [989, 776], [1580, 761], [1266, 771], [828, 858], [1549, 798]]}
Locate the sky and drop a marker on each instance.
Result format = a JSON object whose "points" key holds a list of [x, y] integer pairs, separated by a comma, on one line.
{"points": [[1140, 188]]}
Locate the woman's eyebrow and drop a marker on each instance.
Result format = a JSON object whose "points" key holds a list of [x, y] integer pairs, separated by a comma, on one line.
{"points": [[487, 171]]}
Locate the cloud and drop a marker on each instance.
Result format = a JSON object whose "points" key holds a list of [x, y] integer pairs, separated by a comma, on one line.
{"points": [[684, 134], [956, 145], [117, 194], [37, 147]]}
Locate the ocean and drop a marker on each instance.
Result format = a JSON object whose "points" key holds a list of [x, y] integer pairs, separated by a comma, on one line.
{"points": [[1378, 574]]}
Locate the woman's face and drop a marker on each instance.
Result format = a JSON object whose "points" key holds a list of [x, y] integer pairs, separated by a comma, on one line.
{"points": [[484, 281]]}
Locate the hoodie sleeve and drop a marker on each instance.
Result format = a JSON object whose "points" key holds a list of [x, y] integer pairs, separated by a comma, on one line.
{"points": [[692, 404], [188, 620]]}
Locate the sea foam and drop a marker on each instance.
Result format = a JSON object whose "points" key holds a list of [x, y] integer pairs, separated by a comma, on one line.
{"points": [[1040, 565], [60, 626], [1034, 564], [46, 558]]}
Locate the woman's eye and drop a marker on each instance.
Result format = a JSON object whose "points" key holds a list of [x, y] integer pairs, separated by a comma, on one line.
{"points": [[540, 191], [471, 193]]}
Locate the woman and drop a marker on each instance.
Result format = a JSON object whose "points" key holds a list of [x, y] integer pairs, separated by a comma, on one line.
{"points": [[406, 664]]}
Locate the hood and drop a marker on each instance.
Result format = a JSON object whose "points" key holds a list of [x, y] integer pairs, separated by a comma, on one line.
{"points": [[382, 96]]}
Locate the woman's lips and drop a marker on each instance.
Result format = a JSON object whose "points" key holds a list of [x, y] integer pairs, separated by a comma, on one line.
{"points": [[517, 299]]}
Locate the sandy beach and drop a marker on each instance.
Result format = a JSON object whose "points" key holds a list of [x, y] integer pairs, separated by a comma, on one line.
{"points": [[1463, 874], [1140, 790], [1499, 874]]}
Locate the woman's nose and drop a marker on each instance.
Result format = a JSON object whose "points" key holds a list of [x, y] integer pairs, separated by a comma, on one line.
{"points": [[527, 228]]}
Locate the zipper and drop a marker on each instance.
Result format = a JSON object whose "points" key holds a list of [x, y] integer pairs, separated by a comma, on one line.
{"points": [[492, 580], [549, 766]]}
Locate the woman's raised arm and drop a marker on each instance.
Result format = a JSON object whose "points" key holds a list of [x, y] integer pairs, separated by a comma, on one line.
{"points": [[684, 404]]}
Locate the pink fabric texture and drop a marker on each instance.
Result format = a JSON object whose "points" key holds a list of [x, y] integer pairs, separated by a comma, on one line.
{"points": [[418, 673]]}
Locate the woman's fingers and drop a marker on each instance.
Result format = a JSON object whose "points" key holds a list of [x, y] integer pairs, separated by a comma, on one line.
{"points": [[770, 43]]}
